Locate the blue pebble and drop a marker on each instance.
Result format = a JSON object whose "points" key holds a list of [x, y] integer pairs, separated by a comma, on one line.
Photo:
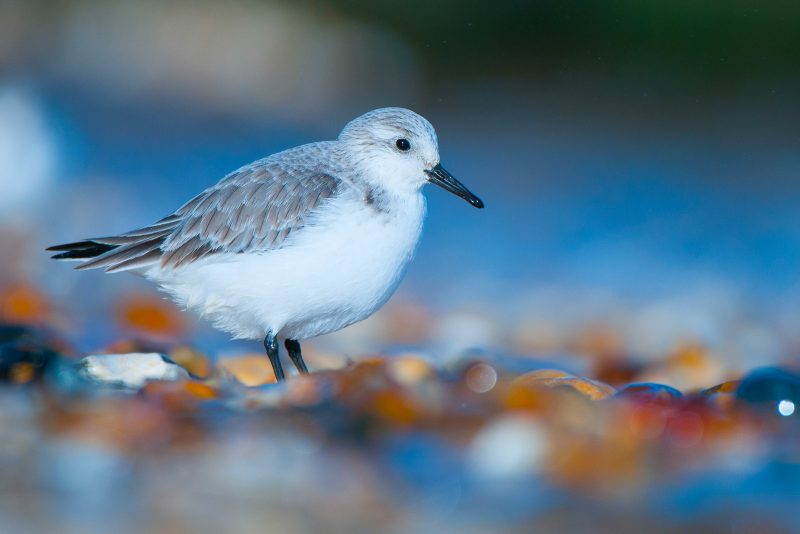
{"points": [[771, 388], [650, 392]]}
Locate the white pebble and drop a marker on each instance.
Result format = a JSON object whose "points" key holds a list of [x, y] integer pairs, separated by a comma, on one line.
{"points": [[132, 370], [510, 447]]}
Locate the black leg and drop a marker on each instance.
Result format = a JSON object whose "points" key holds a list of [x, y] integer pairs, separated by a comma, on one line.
{"points": [[271, 344], [293, 347]]}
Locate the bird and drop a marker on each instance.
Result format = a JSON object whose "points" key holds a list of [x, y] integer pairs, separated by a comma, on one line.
{"points": [[295, 245]]}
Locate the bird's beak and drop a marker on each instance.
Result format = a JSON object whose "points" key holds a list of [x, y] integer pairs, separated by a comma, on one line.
{"points": [[439, 176]]}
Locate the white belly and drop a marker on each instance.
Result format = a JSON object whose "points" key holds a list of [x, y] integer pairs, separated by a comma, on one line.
{"points": [[329, 275]]}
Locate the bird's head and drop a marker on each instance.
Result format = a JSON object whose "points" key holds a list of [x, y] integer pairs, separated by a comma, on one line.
{"points": [[397, 150]]}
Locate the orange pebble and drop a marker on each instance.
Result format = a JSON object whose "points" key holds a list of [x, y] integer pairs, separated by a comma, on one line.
{"points": [[541, 374], [394, 406], [592, 389], [249, 370], [200, 390], [520, 396], [184, 394], [410, 370], [196, 363], [722, 395], [151, 315], [22, 303], [552, 378]]}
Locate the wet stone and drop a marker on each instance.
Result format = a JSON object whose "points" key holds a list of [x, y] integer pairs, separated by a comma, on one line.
{"points": [[591, 389], [65, 375], [771, 390], [248, 369], [132, 370], [480, 377], [651, 393], [533, 377], [508, 447], [180, 394], [410, 370], [196, 363], [722, 395], [551, 378], [724, 388], [25, 354]]}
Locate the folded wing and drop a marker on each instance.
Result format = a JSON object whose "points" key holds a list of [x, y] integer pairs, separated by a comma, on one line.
{"points": [[255, 208]]}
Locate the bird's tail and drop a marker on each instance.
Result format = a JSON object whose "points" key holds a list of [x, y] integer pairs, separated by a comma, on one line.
{"points": [[133, 250], [112, 257], [80, 250]]}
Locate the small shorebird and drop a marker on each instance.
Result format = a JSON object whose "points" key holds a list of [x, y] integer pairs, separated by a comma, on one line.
{"points": [[299, 244]]}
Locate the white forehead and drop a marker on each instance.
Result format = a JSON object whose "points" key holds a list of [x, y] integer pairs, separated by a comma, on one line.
{"points": [[388, 123]]}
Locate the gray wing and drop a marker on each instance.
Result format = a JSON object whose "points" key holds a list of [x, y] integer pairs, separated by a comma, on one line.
{"points": [[253, 209]]}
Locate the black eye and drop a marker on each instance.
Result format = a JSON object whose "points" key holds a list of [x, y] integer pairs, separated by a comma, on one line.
{"points": [[403, 144]]}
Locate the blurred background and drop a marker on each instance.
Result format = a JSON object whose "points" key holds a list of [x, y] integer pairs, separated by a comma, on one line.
{"points": [[639, 162]]}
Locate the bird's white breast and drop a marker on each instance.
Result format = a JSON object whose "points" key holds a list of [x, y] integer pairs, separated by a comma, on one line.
{"points": [[334, 272]]}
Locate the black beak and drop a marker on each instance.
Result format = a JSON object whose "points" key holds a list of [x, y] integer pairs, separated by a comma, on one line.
{"points": [[439, 176]]}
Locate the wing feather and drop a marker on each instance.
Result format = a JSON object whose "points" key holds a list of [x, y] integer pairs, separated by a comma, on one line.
{"points": [[255, 208], [251, 211]]}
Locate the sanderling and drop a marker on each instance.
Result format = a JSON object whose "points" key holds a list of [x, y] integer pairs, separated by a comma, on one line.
{"points": [[299, 244]]}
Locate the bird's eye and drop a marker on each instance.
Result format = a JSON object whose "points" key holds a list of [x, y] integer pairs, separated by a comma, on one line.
{"points": [[403, 145]]}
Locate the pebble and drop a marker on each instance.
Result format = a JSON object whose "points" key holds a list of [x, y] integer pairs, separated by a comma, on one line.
{"points": [[131, 370], [541, 374], [771, 390], [25, 354], [180, 394], [196, 363], [481, 377], [722, 395], [552, 378], [248, 369], [509, 447], [649, 392], [395, 407], [409, 370], [151, 316]]}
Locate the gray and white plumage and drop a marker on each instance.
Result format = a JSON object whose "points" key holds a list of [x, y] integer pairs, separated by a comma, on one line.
{"points": [[253, 209], [301, 243]]}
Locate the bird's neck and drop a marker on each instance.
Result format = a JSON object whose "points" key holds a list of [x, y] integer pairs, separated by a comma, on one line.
{"points": [[391, 200]]}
